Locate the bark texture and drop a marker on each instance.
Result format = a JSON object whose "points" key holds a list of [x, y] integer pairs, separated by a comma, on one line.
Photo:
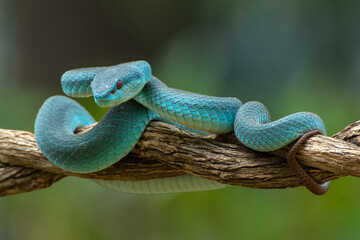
{"points": [[165, 150]]}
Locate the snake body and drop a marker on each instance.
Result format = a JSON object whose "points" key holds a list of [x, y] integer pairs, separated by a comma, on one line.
{"points": [[136, 97]]}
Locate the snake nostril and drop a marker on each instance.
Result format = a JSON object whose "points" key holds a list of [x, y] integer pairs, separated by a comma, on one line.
{"points": [[113, 91]]}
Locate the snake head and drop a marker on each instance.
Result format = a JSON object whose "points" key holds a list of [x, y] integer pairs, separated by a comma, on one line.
{"points": [[118, 84]]}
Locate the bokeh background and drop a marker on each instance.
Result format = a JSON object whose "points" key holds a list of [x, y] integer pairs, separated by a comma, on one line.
{"points": [[290, 55]]}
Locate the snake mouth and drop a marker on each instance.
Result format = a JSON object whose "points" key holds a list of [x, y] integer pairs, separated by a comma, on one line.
{"points": [[103, 102]]}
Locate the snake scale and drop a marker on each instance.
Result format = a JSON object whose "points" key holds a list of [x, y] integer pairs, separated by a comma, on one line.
{"points": [[136, 97]]}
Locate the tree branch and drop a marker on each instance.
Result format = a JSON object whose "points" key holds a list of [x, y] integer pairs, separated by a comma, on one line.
{"points": [[165, 150]]}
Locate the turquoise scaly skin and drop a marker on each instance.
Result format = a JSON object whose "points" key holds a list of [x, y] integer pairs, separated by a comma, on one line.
{"points": [[139, 99]]}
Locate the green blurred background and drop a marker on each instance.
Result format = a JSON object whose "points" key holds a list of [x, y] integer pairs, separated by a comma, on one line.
{"points": [[290, 55]]}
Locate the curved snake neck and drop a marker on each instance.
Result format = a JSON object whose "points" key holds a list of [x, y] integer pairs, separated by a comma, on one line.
{"points": [[120, 129]]}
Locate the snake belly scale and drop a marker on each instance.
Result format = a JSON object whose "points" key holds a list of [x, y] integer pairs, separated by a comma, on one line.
{"points": [[136, 97]]}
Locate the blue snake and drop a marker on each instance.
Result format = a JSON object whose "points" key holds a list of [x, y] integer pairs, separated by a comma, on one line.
{"points": [[136, 97]]}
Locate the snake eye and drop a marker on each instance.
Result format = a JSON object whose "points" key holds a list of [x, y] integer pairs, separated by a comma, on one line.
{"points": [[119, 84]]}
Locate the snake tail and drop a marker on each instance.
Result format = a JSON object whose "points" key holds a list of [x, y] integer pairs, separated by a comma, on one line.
{"points": [[304, 177]]}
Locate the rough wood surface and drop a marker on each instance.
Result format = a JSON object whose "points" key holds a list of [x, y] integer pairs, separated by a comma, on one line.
{"points": [[165, 151]]}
